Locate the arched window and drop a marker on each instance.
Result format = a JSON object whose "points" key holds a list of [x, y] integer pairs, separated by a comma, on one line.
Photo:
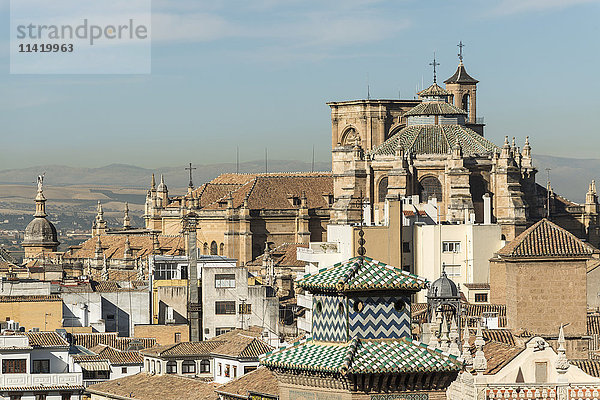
{"points": [[188, 367], [466, 103], [205, 251], [430, 188], [350, 137], [382, 190], [213, 248], [204, 366], [221, 249], [171, 367]]}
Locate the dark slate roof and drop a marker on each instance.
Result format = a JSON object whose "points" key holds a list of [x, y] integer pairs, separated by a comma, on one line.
{"points": [[461, 76], [434, 90], [362, 356], [546, 239], [435, 108], [435, 139], [590, 367], [359, 275]]}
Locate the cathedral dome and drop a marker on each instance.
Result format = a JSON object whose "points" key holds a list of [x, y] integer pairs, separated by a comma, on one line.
{"points": [[40, 232], [443, 288], [435, 139]]}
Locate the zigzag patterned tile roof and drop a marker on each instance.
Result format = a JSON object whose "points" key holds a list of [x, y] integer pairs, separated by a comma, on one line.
{"points": [[546, 239], [434, 90], [361, 356], [435, 139], [358, 274]]}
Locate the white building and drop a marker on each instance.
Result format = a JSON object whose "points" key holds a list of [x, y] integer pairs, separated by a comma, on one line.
{"points": [[103, 363], [220, 359], [36, 365]]}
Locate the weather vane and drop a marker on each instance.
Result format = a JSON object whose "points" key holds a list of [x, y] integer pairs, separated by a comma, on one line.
{"points": [[434, 64], [460, 46]]}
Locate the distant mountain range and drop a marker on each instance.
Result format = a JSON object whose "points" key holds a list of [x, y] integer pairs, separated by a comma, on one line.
{"points": [[124, 175], [570, 177]]}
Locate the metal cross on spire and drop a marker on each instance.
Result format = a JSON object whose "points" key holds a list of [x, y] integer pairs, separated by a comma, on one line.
{"points": [[460, 47], [190, 168], [434, 64]]}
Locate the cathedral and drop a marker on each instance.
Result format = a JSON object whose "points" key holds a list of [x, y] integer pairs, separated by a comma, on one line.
{"points": [[433, 149]]}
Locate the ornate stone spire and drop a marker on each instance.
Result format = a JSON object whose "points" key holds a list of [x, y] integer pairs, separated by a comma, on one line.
{"points": [[562, 364], [98, 252], [126, 219], [466, 348], [444, 344], [104, 275], [505, 152], [40, 200], [155, 244], [479, 362], [127, 253], [153, 183], [99, 225], [526, 148], [434, 327], [454, 339]]}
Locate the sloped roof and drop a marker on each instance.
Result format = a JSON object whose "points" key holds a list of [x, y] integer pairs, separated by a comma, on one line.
{"points": [[46, 339], [155, 387], [90, 340], [434, 90], [284, 255], [435, 139], [184, 349], [461, 76], [113, 246], [590, 367], [435, 108], [261, 380], [30, 298], [114, 356], [546, 239], [359, 274], [362, 356]]}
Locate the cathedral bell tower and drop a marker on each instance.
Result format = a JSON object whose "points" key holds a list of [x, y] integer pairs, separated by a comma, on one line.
{"points": [[463, 90]]}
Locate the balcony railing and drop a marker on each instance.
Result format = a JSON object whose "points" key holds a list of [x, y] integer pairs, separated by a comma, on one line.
{"points": [[90, 382], [24, 380]]}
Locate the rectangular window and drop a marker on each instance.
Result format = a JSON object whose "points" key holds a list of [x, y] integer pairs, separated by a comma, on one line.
{"points": [[248, 369], [541, 372], [225, 307], [165, 271], [123, 370], [220, 369], [453, 270], [224, 280], [18, 366], [177, 337], [451, 247], [40, 396], [40, 367], [405, 247], [65, 396], [234, 372], [481, 297], [245, 309], [110, 317], [16, 396], [227, 368], [220, 331]]}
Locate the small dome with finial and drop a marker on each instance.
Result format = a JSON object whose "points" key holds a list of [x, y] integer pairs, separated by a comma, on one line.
{"points": [[443, 288]]}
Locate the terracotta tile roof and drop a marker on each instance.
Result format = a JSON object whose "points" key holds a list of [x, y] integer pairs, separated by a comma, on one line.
{"points": [[33, 298], [498, 355], [46, 339], [144, 386], [435, 139], [90, 340], [261, 380], [593, 324], [241, 344], [359, 275], [501, 336], [183, 349], [362, 356], [273, 191], [114, 356], [461, 76], [283, 256], [113, 246], [590, 367], [472, 314], [434, 90], [546, 239], [42, 388], [435, 108]]}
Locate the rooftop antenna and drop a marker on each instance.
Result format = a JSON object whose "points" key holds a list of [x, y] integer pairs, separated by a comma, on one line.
{"points": [[237, 160], [548, 188], [434, 64], [460, 54], [368, 88], [312, 167], [266, 163], [190, 168]]}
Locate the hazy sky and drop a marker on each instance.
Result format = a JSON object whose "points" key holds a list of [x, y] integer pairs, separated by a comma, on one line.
{"points": [[258, 73]]}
